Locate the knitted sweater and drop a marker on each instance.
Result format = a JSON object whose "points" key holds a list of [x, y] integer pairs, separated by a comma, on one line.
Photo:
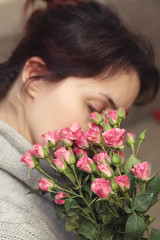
{"points": [[23, 216]]}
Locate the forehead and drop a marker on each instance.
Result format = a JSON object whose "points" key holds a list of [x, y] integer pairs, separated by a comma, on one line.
{"points": [[122, 88]]}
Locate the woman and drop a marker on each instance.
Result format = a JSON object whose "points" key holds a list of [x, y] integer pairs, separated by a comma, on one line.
{"points": [[75, 57]]}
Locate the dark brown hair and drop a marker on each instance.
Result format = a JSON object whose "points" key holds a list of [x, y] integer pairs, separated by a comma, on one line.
{"points": [[81, 39]]}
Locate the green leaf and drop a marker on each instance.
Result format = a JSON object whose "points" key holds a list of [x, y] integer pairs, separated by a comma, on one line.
{"points": [[155, 234], [142, 202], [135, 226], [106, 218], [127, 209], [132, 183], [73, 212], [86, 179], [70, 203], [80, 237], [87, 188], [153, 186], [87, 229], [130, 163], [34, 191], [107, 233], [71, 222], [59, 210], [97, 205]]}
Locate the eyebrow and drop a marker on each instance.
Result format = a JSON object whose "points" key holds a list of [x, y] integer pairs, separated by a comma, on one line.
{"points": [[113, 105]]}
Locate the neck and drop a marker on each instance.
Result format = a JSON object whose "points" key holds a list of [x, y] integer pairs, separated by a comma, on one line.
{"points": [[12, 112]]}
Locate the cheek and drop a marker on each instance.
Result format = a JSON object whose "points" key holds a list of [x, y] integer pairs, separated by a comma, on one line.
{"points": [[55, 113]]}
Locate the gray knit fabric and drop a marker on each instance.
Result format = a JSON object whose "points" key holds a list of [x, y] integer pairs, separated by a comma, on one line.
{"points": [[23, 216]]}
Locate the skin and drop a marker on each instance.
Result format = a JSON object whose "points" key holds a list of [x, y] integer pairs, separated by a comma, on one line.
{"points": [[48, 106]]}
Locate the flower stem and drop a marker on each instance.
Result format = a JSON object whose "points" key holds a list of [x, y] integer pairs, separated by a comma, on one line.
{"points": [[118, 170], [144, 187], [74, 170], [46, 174], [101, 145], [148, 236], [92, 213], [138, 148]]}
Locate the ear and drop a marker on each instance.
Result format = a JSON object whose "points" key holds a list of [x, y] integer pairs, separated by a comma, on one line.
{"points": [[33, 69]]}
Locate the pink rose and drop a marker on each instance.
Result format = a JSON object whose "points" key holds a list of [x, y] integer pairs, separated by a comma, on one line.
{"points": [[66, 136], [123, 182], [121, 113], [60, 152], [45, 185], [69, 157], [27, 159], [142, 170], [101, 187], [113, 117], [39, 151], [50, 138], [104, 170], [60, 164], [113, 137], [59, 198], [86, 164], [130, 138], [101, 157], [93, 135], [74, 127], [81, 139], [96, 117], [80, 152], [93, 125]]}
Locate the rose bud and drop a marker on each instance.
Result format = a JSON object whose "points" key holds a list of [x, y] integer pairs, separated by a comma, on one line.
{"points": [[93, 135], [80, 152], [121, 156], [66, 136], [69, 157], [50, 138], [96, 118], [39, 151], [60, 152], [114, 186], [142, 136], [30, 160], [101, 187], [93, 125], [116, 159], [114, 137], [45, 185], [123, 182], [121, 113], [101, 157], [106, 121], [59, 198], [113, 117], [60, 165], [81, 139], [130, 138], [86, 164], [142, 171], [104, 170]]}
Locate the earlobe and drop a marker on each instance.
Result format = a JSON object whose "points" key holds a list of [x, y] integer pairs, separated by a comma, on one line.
{"points": [[33, 69]]}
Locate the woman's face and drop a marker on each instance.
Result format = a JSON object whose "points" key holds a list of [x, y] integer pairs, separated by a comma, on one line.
{"points": [[56, 106]]}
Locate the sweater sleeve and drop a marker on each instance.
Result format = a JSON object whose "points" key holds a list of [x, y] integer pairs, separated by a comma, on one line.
{"points": [[26, 216]]}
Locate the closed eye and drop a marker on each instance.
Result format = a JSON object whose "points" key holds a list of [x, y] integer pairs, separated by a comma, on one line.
{"points": [[91, 108]]}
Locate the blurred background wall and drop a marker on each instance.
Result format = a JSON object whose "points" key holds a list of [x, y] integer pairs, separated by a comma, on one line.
{"points": [[140, 15]]}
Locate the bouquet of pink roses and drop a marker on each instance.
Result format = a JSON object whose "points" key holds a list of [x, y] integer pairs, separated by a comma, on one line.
{"points": [[101, 195]]}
